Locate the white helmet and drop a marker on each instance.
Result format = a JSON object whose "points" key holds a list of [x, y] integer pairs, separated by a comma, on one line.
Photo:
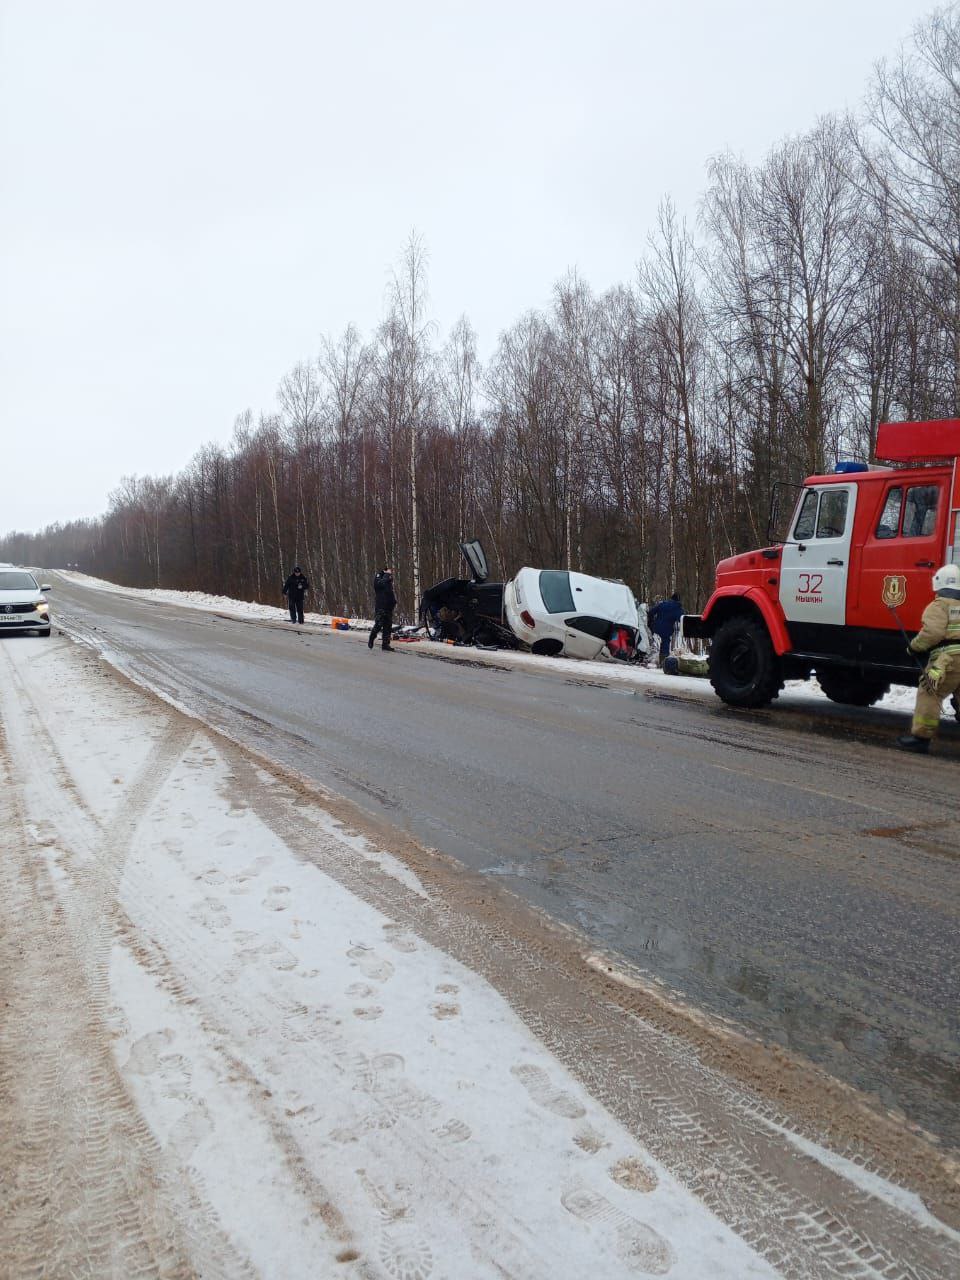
{"points": [[947, 576]]}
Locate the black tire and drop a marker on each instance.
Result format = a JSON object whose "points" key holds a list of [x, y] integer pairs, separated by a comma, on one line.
{"points": [[851, 687], [744, 670], [432, 626]]}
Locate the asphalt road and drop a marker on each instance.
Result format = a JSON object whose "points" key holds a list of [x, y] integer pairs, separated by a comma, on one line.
{"points": [[786, 870]]}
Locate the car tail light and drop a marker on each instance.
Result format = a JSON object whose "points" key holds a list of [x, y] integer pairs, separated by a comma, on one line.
{"points": [[527, 617]]}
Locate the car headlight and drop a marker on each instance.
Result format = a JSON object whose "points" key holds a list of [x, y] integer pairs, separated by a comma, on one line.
{"points": [[43, 607]]}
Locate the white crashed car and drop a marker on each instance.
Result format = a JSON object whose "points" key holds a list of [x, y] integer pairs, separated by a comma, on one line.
{"points": [[556, 612], [23, 606]]}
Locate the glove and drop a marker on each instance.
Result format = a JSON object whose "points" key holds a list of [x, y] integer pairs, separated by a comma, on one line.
{"points": [[930, 681]]}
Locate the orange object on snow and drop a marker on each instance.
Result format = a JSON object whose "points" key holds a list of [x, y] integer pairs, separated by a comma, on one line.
{"points": [[340, 624]]}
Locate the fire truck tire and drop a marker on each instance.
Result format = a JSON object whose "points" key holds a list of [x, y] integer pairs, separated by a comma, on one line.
{"points": [[744, 670], [851, 687]]}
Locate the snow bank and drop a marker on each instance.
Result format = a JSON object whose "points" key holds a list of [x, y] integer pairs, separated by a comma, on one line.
{"points": [[202, 600]]}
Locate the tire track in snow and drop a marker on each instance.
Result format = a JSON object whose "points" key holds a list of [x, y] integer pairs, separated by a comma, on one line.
{"points": [[94, 1194], [78, 1165]]}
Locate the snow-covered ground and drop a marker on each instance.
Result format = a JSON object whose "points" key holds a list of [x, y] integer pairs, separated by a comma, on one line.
{"points": [[318, 1089], [234, 1046], [900, 697]]}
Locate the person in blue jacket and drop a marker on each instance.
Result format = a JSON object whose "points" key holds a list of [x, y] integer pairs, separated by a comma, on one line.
{"points": [[663, 621]]}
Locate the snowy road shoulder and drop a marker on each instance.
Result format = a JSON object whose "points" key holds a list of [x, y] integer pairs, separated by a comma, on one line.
{"points": [[317, 1082], [279, 1052]]}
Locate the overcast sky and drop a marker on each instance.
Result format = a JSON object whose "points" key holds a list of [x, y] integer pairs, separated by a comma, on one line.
{"points": [[192, 194]]}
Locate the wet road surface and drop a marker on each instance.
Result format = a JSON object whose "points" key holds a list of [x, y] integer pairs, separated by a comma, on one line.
{"points": [[802, 884]]}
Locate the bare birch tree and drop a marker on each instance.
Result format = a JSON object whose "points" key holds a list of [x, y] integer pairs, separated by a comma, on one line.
{"points": [[911, 156], [409, 301]]}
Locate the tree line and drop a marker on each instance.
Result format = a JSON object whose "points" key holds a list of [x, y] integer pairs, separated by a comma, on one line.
{"points": [[636, 433]]}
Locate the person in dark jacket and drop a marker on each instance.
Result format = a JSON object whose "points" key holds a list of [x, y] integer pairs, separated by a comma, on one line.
{"points": [[384, 603], [295, 588], [663, 619]]}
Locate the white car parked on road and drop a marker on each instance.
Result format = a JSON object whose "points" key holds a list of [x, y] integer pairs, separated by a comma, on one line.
{"points": [[559, 612], [23, 606]]}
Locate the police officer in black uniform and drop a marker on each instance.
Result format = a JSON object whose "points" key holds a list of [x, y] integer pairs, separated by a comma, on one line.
{"points": [[384, 603], [295, 588]]}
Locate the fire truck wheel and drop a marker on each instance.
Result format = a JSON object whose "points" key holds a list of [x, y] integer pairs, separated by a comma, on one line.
{"points": [[744, 670], [851, 687]]}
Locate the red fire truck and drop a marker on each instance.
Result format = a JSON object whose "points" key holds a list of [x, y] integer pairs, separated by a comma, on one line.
{"points": [[852, 575]]}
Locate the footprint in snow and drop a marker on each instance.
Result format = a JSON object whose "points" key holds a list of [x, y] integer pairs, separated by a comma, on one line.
{"points": [[145, 1053], [398, 938], [442, 1009], [404, 1251], [544, 1093], [211, 913], [254, 948], [589, 1140], [641, 1248], [633, 1174], [360, 990], [453, 1131], [368, 1013], [370, 964], [188, 1132]]}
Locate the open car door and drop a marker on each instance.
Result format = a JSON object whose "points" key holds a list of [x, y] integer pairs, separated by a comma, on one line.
{"points": [[473, 554]]}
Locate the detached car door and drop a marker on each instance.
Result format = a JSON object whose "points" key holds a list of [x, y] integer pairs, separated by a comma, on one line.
{"points": [[474, 555]]}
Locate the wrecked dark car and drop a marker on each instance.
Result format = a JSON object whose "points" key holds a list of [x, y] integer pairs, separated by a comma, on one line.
{"points": [[467, 610]]}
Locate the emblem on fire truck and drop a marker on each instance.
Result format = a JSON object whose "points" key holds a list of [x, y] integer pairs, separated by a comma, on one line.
{"points": [[894, 590]]}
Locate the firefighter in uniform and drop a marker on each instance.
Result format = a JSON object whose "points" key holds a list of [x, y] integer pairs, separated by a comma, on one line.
{"points": [[939, 637]]}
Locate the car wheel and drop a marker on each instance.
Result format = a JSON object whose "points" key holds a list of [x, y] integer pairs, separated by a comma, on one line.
{"points": [[430, 621], [43, 631], [851, 687], [547, 648], [744, 670]]}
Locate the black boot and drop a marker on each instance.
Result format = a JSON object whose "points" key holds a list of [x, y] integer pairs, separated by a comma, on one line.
{"points": [[909, 743]]}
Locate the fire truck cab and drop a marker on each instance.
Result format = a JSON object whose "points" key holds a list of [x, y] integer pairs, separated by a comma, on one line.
{"points": [[851, 576]]}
